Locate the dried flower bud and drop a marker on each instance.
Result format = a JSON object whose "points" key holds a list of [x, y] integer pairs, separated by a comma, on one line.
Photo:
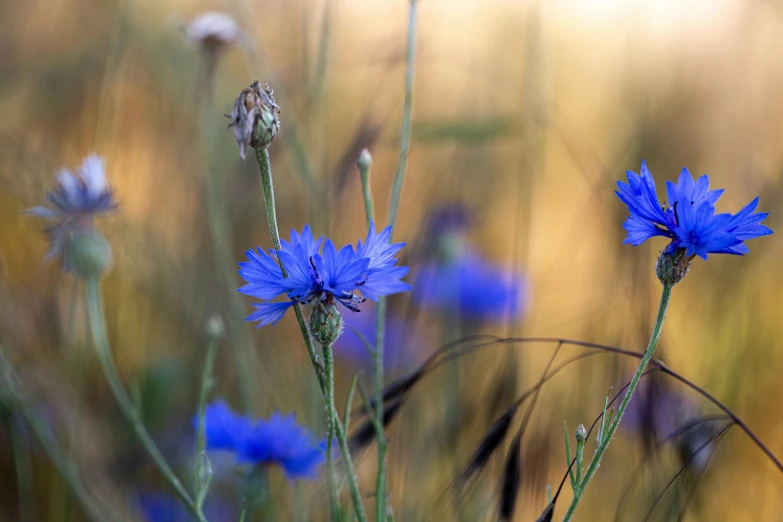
{"points": [[87, 254], [365, 160], [255, 118], [326, 323], [673, 264]]}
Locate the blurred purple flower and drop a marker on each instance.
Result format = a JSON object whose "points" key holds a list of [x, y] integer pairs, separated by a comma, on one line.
{"points": [[160, 507], [401, 348], [472, 287], [78, 198], [659, 415], [278, 440]]}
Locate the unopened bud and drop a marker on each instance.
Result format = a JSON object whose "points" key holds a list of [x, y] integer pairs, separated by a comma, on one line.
{"points": [[365, 160], [255, 118], [326, 323], [581, 434], [87, 254], [214, 327]]}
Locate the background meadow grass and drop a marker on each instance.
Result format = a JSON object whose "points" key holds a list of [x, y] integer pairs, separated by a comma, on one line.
{"points": [[526, 112]]}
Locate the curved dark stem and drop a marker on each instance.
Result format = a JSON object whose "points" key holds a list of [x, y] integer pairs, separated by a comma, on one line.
{"points": [[699, 475], [436, 360], [676, 433], [712, 439]]}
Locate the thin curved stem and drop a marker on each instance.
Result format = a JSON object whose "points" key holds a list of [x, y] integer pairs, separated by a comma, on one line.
{"points": [[606, 438], [97, 325]]}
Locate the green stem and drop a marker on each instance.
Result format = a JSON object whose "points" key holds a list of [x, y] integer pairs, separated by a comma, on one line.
{"points": [[334, 500], [607, 437], [265, 169], [405, 138], [95, 313], [219, 223], [24, 475], [203, 468], [63, 465]]}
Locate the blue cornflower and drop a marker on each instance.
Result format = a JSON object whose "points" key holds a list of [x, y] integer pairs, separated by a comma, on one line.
{"points": [[277, 440], [689, 220], [78, 198], [471, 286], [324, 275]]}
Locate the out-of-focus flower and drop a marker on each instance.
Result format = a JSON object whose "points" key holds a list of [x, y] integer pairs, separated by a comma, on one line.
{"points": [[458, 279], [323, 278], [472, 287], [660, 415], [159, 507], [278, 440], [214, 30], [255, 118], [78, 198], [401, 347], [689, 220]]}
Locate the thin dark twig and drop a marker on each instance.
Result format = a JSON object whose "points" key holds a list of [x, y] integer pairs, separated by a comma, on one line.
{"points": [[684, 467], [433, 362], [699, 475]]}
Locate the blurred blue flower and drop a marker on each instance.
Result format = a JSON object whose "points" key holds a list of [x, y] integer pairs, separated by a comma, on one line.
{"points": [[471, 286], [322, 277], [689, 220], [278, 440], [159, 507], [401, 348], [78, 198]]}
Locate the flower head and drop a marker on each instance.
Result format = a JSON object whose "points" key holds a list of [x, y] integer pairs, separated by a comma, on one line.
{"points": [[318, 273], [277, 440], [78, 198], [255, 117], [470, 285], [213, 30], [689, 219]]}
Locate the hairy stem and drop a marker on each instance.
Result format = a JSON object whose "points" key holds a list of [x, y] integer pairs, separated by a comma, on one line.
{"points": [[265, 168], [97, 325], [612, 428]]}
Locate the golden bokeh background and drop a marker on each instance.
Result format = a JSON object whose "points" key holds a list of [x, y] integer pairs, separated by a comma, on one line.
{"points": [[528, 112]]}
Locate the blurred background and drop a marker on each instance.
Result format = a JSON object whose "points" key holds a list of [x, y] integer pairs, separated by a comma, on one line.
{"points": [[525, 114]]}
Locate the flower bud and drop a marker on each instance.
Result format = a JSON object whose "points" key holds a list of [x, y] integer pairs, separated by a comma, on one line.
{"points": [[326, 323], [581, 434], [214, 327], [672, 265], [365, 160], [87, 253], [254, 118]]}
